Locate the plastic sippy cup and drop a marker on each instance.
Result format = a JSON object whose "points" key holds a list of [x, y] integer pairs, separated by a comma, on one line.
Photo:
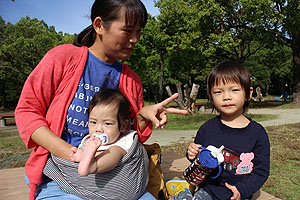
{"points": [[207, 161]]}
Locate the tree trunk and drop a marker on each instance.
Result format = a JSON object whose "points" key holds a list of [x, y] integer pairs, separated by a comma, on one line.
{"points": [[3, 94], [188, 99], [179, 99], [296, 70], [193, 96], [161, 79], [267, 89]]}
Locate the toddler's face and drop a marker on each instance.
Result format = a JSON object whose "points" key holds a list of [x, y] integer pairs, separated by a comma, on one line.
{"points": [[228, 98]]}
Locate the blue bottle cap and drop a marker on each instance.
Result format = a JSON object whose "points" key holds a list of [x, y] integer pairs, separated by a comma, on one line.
{"points": [[207, 159]]}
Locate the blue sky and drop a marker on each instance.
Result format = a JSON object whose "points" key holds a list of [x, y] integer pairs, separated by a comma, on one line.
{"points": [[68, 16]]}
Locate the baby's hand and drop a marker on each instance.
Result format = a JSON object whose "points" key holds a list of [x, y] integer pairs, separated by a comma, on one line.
{"points": [[193, 150], [76, 154], [93, 142], [236, 194]]}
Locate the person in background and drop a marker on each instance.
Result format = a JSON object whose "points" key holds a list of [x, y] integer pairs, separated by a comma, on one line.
{"points": [[247, 149], [51, 114], [285, 94]]}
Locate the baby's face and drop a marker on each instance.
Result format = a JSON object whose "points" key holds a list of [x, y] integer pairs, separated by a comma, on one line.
{"points": [[103, 119]]}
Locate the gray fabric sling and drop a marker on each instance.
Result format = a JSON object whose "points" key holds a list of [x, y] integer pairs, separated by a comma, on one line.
{"points": [[127, 181]]}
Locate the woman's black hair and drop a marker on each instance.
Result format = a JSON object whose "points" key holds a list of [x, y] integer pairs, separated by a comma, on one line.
{"points": [[114, 98], [109, 10]]}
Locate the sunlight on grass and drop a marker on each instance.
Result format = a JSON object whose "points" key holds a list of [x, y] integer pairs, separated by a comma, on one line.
{"points": [[187, 122], [284, 180], [13, 152], [193, 122]]}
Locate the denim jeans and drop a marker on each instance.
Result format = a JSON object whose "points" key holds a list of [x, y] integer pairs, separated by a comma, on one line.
{"points": [[199, 195], [49, 189]]}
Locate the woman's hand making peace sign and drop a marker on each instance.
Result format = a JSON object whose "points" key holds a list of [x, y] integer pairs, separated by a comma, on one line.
{"points": [[157, 113]]}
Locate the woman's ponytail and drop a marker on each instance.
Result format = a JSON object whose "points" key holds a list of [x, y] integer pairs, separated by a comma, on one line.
{"points": [[86, 37]]}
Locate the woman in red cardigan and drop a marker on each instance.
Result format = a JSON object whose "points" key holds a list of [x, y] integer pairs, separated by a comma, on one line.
{"points": [[52, 111]]}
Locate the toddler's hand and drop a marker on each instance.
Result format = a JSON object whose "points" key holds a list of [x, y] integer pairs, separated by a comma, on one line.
{"points": [[236, 194], [193, 150]]}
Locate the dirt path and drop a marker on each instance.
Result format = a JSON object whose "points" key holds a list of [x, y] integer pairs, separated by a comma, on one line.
{"points": [[285, 116]]}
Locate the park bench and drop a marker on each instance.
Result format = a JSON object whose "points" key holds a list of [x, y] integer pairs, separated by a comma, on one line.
{"points": [[4, 117], [13, 187]]}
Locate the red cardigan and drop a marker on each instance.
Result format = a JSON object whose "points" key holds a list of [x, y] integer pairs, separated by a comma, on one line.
{"points": [[47, 94]]}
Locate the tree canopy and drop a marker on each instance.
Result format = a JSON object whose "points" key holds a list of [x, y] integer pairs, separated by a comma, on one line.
{"points": [[22, 47], [191, 36], [181, 45]]}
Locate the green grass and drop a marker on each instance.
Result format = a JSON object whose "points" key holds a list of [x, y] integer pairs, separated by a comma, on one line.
{"points": [[13, 152], [284, 180], [273, 103], [193, 122], [187, 122]]}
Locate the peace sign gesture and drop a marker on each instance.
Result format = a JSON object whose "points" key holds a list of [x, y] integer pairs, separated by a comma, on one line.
{"points": [[157, 113]]}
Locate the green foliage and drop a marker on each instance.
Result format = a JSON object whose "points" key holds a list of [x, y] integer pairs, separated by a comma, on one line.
{"points": [[180, 45], [189, 29], [271, 69], [67, 39], [22, 47], [26, 43], [281, 22], [188, 38]]}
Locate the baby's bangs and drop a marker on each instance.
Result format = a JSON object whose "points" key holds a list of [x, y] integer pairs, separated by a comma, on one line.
{"points": [[135, 14]]}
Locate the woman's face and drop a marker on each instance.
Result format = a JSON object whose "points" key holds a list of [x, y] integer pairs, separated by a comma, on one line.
{"points": [[116, 41]]}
